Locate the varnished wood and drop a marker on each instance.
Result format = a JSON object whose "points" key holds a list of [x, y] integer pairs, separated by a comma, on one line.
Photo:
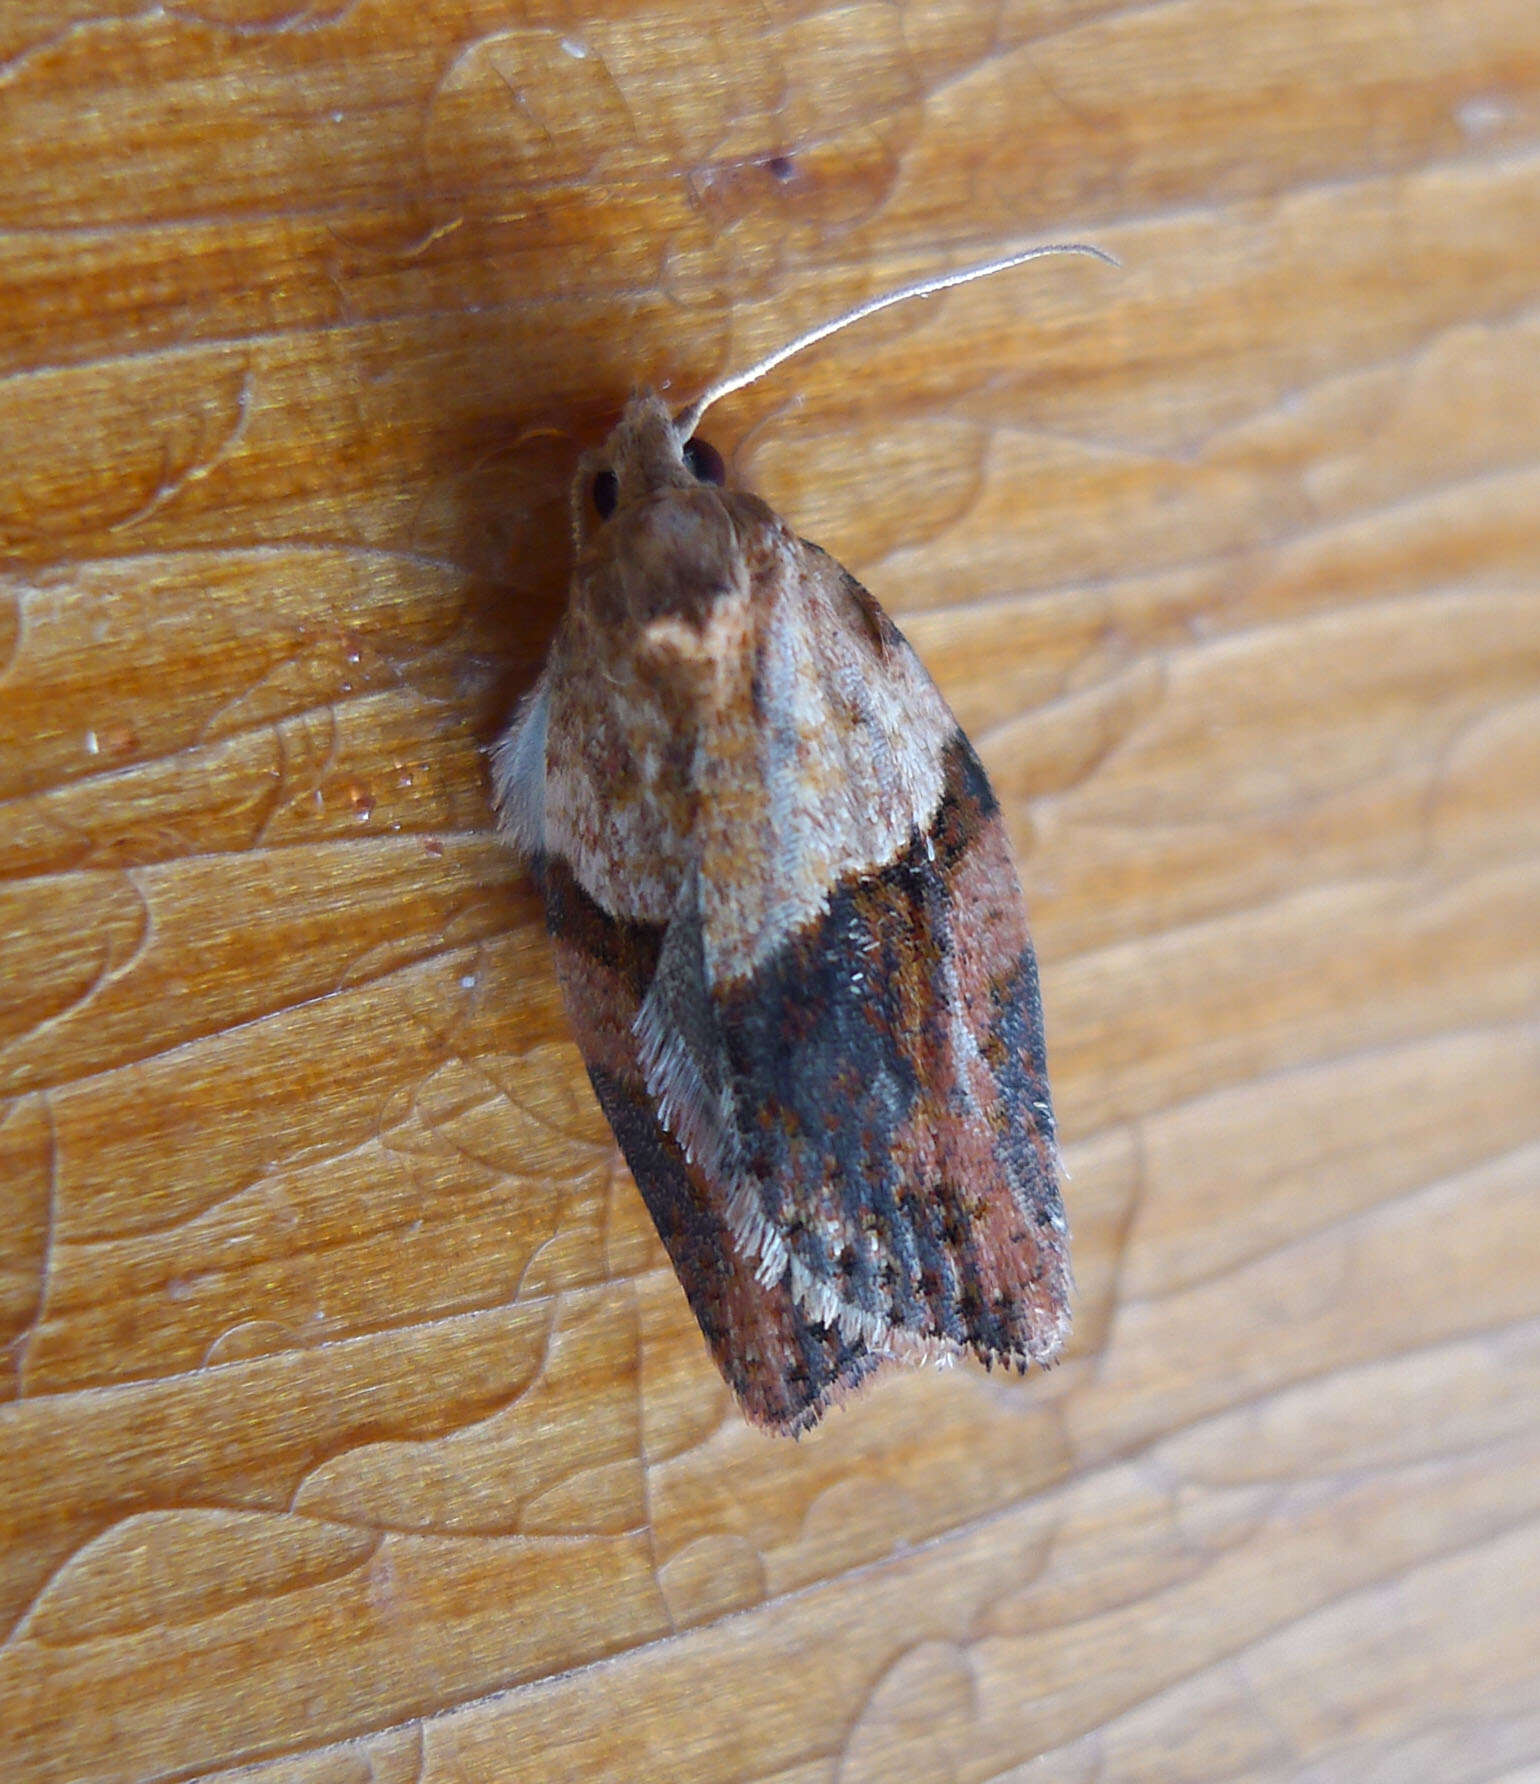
{"points": [[354, 1425]]}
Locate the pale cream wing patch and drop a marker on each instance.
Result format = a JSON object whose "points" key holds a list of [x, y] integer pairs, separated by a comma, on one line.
{"points": [[821, 759]]}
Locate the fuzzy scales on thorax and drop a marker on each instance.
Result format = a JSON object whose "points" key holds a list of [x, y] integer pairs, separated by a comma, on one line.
{"points": [[668, 758]]}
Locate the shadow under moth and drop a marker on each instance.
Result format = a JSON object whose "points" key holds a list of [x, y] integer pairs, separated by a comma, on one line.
{"points": [[788, 931]]}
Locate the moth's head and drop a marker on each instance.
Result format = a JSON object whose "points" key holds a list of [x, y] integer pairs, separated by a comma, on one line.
{"points": [[643, 456]]}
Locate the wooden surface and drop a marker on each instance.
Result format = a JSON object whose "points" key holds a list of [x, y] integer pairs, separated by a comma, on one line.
{"points": [[355, 1428]]}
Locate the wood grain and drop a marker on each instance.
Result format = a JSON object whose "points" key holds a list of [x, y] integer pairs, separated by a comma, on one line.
{"points": [[354, 1426]]}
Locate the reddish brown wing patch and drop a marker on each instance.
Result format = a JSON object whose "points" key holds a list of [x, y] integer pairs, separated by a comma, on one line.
{"points": [[783, 1365]]}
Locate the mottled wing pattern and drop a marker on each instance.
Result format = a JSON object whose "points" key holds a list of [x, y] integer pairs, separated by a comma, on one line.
{"points": [[791, 943], [895, 1154], [783, 1364]]}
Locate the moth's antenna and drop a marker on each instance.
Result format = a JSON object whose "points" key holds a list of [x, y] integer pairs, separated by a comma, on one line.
{"points": [[688, 420]]}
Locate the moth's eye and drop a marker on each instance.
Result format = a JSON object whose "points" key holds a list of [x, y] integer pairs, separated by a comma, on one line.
{"points": [[605, 492], [705, 461]]}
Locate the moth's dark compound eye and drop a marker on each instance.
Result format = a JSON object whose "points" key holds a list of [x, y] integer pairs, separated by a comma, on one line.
{"points": [[705, 461], [606, 493]]}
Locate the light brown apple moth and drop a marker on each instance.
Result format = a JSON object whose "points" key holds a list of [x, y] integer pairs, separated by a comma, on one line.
{"points": [[788, 932]]}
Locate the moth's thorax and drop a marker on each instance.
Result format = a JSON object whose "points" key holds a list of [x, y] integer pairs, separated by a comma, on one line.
{"points": [[669, 752], [658, 638], [673, 555]]}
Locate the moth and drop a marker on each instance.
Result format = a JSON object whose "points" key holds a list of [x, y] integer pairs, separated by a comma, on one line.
{"points": [[789, 935]]}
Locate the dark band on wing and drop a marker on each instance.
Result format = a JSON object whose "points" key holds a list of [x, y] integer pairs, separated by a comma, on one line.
{"points": [[744, 1323], [920, 1187], [628, 950], [784, 1366]]}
